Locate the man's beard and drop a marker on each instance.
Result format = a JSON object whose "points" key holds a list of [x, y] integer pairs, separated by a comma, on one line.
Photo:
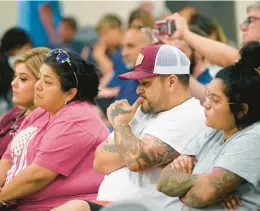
{"points": [[147, 109]]}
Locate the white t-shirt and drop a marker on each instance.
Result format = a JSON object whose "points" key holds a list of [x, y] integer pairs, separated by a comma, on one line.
{"points": [[176, 127]]}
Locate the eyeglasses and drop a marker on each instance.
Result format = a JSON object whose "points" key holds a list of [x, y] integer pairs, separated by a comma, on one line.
{"points": [[62, 57], [213, 100], [249, 20]]}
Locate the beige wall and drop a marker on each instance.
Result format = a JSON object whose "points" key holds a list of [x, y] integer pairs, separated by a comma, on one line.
{"points": [[86, 12], [7, 15], [89, 12]]}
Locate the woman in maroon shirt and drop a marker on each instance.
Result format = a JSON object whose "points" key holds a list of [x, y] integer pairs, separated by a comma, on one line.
{"points": [[26, 69]]}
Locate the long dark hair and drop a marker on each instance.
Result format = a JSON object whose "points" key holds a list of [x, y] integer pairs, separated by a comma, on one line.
{"points": [[87, 77], [242, 85]]}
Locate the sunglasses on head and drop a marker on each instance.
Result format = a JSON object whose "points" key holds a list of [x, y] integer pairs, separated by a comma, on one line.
{"points": [[62, 57]]}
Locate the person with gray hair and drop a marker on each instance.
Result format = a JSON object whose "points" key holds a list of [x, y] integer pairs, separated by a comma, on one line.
{"points": [[219, 53], [134, 40]]}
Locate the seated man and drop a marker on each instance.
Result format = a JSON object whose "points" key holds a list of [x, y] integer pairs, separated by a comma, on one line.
{"points": [[151, 133], [133, 156]]}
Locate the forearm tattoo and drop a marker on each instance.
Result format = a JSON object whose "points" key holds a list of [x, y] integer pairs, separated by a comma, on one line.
{"points": [[213, 188], [145, 153], [175, 183]]}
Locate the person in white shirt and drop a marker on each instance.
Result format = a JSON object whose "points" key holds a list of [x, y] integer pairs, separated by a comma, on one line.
{"points": [[153, 131]]}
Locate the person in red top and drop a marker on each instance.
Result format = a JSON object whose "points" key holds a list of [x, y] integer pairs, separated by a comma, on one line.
{"points": [[26, 68]]}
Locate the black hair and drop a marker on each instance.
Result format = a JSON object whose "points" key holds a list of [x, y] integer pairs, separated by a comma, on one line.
{"points": [[242, 85], [205, 24], [184, 79], [71, 22], [88, 81], [13, 38]]}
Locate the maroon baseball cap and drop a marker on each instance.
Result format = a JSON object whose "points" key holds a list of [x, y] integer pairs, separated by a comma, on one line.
{"points": [[157, 60]]}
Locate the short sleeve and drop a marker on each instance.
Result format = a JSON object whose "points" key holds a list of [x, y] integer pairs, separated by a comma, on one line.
{"points": [[63, 146], [176, 133], [198, 143], [242, 157]]}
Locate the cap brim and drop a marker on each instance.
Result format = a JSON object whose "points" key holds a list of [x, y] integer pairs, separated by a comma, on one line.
{"points": [[136, 75]]}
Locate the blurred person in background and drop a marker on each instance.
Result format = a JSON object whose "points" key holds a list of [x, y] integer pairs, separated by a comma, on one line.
{"points": [[26, 73], [40, 19], [14, 42], [134, 40], [217, 52], [67, 31], [140, 18], [106, 53], [204, 70], [157, 12], [207, 70], [210, 27]]}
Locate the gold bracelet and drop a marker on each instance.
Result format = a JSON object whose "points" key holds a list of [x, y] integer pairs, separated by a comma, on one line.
{"points": [[2, 202]]}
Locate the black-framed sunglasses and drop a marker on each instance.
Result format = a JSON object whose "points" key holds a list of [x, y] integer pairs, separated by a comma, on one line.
{"points": [[249, 20], [62, 57]]}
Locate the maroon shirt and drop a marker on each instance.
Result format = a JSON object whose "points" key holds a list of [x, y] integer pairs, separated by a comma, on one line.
{"points": [[9, 126]]}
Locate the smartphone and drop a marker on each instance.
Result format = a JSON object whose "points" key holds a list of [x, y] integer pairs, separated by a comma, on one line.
{"points": [[164, 27]]}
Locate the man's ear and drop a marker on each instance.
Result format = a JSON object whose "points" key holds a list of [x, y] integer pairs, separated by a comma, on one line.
{"points": [[173, 81]]}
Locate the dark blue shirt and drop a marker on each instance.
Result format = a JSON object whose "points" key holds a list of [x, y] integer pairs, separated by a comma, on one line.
{"points": [[128, 91]]}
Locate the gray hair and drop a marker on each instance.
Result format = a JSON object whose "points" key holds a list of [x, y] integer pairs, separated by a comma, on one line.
{"points": [[255, 5], [147, 33]]}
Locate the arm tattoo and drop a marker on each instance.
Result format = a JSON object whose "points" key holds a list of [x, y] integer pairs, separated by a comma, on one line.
{"points": [[117, 111], [109, 145], [213, 188], [175, 183], [110, 148], [143, 154]]}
